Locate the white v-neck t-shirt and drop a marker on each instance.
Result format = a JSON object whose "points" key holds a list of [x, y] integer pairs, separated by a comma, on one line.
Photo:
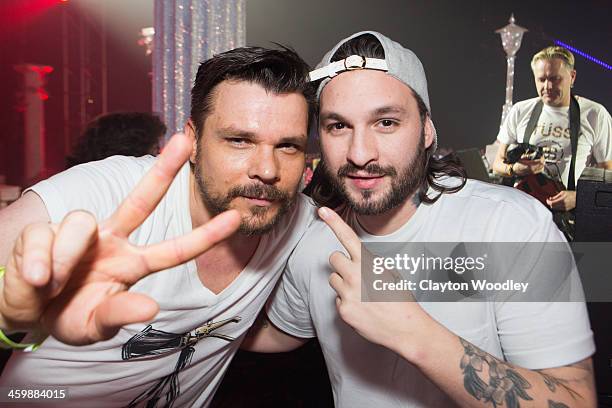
{"points": [[96, 375]]}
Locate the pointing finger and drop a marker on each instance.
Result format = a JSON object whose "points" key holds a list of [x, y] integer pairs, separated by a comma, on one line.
{"points": [[345, 234]]}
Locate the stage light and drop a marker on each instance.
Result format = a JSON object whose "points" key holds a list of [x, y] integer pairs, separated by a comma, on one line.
{"points": [[584, 54]]}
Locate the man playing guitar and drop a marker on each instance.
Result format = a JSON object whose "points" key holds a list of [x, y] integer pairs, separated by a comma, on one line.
{"points": [[569, 132]]}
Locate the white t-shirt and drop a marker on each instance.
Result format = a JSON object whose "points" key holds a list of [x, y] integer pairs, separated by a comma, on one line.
{"points": [[531, 335], [96, 375], [553, 131]]}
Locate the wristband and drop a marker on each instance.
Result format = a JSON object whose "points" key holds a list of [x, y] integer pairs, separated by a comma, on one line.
{"points": [[7, 343]]}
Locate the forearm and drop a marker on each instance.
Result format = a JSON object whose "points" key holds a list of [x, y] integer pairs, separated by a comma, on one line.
{"points": [[500, 167], [474, 378], [503, 169]]}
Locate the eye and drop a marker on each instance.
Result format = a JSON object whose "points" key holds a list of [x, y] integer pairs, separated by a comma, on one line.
{"points": [[238, 141], [336, 126], [387, 124], [290, 148]]}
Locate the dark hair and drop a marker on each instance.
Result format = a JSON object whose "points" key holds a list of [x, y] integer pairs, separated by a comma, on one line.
{"points": [[321, 190], [279, 71], [119, 133]]}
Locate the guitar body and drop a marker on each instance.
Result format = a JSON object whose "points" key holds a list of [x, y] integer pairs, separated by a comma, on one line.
{"points": [[542, 187], [539, 186]]}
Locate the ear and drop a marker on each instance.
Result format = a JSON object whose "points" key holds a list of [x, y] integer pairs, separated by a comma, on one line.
{"points": [[430, 132], [572, 76], [191, 133]]}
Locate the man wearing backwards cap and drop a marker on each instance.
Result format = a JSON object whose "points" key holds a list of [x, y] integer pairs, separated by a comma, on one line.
{"points": [[377, 140]]}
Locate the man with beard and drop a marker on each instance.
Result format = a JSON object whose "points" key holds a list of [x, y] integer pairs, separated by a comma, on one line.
{"points": [[377, 140], [84, 247]]}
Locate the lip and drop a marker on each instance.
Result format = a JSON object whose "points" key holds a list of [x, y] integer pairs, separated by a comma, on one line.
{"points": [[364, 175], [260, 202], [365, 182]]}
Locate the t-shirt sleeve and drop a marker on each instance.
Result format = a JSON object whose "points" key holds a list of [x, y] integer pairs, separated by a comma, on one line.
{"points": [[546, 334], [507, 132], [288, 309], [602, 149], [98, 187]]}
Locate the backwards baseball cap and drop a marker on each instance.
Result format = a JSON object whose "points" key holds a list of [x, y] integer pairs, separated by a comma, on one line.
{"points": [[399, 62]]}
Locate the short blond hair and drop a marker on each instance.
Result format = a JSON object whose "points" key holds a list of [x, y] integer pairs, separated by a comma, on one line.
{"points": [[554, 52]]}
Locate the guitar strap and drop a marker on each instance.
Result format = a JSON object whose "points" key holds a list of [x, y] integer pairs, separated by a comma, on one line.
{"points": [[574, 121]]}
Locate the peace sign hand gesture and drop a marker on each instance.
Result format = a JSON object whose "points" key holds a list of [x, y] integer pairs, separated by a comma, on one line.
{"points": [[70, 280]]}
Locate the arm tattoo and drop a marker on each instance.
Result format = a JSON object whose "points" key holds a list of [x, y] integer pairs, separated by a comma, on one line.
{"points": [[554, 404], [552, 382], [505, 386]]}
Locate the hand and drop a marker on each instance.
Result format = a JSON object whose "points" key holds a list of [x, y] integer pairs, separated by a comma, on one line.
{"points": [[563, 201], [525, 167], [390, 324], [70, 280]]}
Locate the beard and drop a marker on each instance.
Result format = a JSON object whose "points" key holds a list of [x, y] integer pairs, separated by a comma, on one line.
{"points": [[404, 183], [255, 223]]}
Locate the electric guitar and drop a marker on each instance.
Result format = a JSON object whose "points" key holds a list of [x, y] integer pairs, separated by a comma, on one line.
{"points": [[537, 185], [541, 186]]}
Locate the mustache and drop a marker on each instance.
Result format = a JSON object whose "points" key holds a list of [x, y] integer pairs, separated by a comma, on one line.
{"points": [[261, 191], [371, 169]]}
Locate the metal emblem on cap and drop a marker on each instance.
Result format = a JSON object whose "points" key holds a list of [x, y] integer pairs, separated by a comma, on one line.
{"points": [[348, 64], [354, 62]]}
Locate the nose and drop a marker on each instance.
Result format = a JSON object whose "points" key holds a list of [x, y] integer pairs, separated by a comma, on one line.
{"points": [[363, 148], [264, 166]]}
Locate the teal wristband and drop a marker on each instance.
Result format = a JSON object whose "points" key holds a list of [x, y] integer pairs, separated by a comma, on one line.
{"points": [[7, 343]]}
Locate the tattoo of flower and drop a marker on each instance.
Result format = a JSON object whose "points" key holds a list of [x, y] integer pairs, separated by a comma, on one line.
{"points": [[505, 384]]}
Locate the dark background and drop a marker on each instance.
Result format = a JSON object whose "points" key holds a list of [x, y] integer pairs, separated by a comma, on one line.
{"points": [[463, 57], [455, 40]]}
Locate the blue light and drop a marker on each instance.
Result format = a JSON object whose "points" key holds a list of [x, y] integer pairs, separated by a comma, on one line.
{"points": [[584, 54]]}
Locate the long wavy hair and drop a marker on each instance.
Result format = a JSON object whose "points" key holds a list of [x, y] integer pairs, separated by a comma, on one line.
{"points": [[322, 190]]}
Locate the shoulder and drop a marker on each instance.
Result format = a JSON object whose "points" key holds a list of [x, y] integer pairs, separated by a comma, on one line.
{"points": [[316, 244], [493, 207], [525, 105], [496, 195], [97, 187], [124, 167], [592, 109]]}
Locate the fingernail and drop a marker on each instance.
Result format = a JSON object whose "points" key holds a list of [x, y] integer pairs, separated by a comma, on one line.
{"points": [[37, 272], [324, 212]]}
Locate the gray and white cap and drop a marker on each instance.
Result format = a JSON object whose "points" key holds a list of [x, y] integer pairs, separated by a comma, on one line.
{"points": [[399, 62]]}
